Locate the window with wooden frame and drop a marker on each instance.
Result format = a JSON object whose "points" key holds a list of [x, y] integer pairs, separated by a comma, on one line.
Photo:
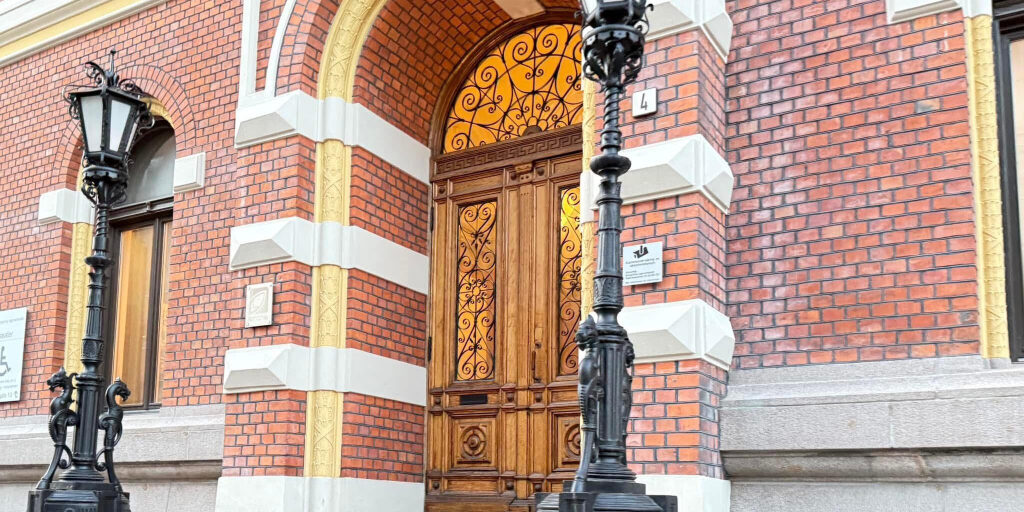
{"points": [[140, 243], [1008, 30]]}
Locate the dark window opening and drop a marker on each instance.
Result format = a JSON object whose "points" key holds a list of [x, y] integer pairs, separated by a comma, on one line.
{"points": [[140, 244]]}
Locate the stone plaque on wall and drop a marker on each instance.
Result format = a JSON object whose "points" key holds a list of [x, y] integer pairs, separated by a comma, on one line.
{"points": [[642, 264], [12, 351], [259, 305]]}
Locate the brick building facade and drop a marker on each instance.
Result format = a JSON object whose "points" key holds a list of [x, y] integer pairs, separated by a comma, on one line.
{"points": [[833, 185]]}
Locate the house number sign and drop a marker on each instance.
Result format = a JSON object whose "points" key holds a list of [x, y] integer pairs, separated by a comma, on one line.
{"points": [[12, 350], [645, 102]]}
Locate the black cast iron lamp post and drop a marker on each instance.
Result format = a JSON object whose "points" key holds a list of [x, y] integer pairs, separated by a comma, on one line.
{"points": [[613, 46], [111, 112]]}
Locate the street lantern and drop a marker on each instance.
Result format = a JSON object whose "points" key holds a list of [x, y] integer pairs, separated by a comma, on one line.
{"points": [[109, 117], [613, 46], [612, 11], [111, 113]]}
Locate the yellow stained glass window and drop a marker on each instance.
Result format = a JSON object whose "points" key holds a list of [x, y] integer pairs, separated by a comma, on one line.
{"points": [[475, 321], [569, 262], [528, 84]]}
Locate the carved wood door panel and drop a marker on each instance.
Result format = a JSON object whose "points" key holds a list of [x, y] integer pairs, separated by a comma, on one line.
{"points": [[503, 418]]}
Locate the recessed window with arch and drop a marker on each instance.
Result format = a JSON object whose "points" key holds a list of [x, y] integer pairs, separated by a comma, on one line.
{"points": [[530, 83], [141, 240]]}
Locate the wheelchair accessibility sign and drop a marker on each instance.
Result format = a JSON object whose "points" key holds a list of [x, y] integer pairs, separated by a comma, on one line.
{"points": [[12, 350]]}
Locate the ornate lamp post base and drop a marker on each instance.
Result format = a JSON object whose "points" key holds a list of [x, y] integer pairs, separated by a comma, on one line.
{"points": [[98, 497], [598, 496]]}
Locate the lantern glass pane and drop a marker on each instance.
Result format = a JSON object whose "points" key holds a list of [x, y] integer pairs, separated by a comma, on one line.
{"points": [[120, 111], [151, 175], [589, 6], [92, 121]]}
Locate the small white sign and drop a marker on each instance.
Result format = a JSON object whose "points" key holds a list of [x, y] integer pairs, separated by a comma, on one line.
{"points": [[12, 353], [259, 305], [642, 264], [645, 102]]}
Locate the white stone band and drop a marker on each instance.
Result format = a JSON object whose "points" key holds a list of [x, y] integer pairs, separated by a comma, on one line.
{"points": [[65, 205], [913, 404], [306, 494], [328, 243], [21, 19], [520, 8], [905, 10], [665, 169], [344, 370], [676, 331], [671, 17], [192, 433], [695, 493], [263, 119]]}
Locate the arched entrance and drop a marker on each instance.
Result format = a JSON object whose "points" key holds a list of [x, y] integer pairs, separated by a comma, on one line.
{"points": [[417, 152], [502, 415]]}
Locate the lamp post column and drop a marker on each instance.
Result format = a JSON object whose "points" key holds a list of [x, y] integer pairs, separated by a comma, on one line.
{"points": [[111, 113], [613, 45]]}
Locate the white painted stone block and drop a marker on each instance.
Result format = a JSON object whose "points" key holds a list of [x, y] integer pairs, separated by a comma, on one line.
{"points": [[328, 243], [248, 370], [275, 241], [675, 331], [277, 117], [903, 10], [190, 172], [675, 167], [65, 205], [344, 370], [671, 17], [263, 118], [695, 493], [520, 8], [306, 494]]}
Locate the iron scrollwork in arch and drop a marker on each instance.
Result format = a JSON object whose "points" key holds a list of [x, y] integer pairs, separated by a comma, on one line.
{"points": [[528, 84]]}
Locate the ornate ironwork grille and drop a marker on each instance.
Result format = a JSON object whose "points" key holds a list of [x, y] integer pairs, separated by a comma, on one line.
{"points": [[476, 316], [528, 84], [569, 299]]}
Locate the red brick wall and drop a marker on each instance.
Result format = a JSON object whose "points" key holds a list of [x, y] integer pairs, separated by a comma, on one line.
{"points": [[412, 49], [386, 319], [675, 419], [690, 229], [687, 71], [382, 439], [674, 426], [851, 236], [270, 14], [303, 47], [37, 133], [388, 202], [264, 433]]}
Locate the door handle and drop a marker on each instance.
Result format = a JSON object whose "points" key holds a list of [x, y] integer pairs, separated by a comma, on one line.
{"points": [[533, 362]]}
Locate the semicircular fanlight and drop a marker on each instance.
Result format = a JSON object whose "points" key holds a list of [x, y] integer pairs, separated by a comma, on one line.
{"points": [[528, 84]]}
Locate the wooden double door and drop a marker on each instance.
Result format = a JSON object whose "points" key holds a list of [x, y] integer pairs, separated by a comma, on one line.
{"points": [[503, 417]]}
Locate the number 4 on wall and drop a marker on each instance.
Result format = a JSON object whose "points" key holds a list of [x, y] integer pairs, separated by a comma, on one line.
{"points": [[645, 102]]}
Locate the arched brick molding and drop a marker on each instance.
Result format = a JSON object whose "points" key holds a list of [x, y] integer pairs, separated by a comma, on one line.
{"points": [[306, 34], [170, 92]]}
